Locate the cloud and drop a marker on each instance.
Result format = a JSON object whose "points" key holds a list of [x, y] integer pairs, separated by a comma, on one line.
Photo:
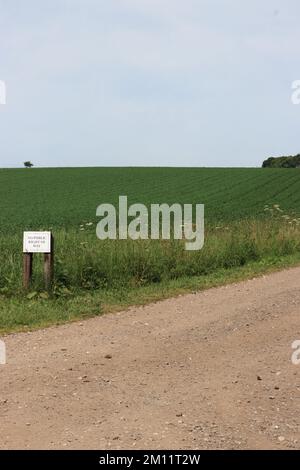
{"points": [[98, 77]]}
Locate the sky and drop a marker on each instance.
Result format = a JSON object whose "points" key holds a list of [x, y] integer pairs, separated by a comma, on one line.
{"points": [[148, 82]]}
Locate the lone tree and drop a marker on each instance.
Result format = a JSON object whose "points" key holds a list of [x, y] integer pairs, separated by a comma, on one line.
{"points": [[28, 164]]}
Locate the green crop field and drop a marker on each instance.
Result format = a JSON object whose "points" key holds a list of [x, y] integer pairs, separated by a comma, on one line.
{"points": [[251, 218], [68, 197]]}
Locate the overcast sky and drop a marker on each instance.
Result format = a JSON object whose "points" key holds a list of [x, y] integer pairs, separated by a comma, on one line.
{"points": [[148, 82]]}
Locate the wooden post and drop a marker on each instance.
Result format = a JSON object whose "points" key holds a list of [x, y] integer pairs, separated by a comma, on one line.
{"points": [[49, 266], [27, 269], [38, 242]]}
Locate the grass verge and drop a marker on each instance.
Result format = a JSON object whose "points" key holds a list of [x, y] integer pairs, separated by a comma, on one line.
{"points": [[23, 314]]}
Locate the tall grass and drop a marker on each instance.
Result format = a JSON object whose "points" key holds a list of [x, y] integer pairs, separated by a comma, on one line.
{"points": [[85, 263]]}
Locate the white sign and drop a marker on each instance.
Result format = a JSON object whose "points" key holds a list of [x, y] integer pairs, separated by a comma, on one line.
{"points": [[37, 242]]}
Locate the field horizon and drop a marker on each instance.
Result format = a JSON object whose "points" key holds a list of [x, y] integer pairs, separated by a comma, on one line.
{"points": [[43, 198]]}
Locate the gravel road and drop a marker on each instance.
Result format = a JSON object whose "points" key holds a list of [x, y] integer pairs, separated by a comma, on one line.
{"points": [[206, 370]]}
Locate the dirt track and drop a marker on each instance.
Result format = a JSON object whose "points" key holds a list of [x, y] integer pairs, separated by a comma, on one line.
{"points": [[205, 370]]}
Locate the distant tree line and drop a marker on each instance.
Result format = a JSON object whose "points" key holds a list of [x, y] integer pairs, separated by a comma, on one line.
{"points": [[292, 161]]}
